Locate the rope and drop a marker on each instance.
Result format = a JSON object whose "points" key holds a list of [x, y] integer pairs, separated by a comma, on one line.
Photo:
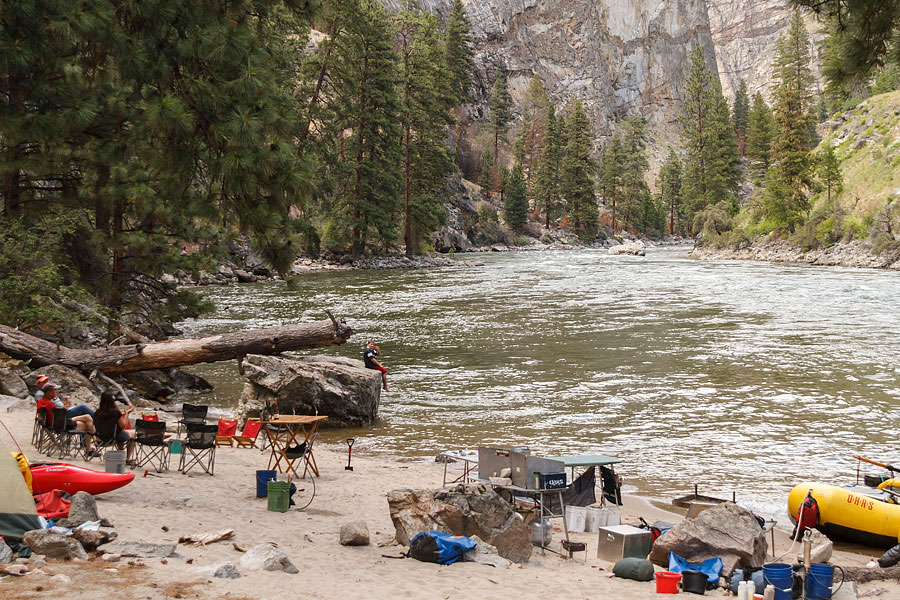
{"points": [[12, 437]]}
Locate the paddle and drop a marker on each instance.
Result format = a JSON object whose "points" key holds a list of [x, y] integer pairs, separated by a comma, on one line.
{"points": [[890, 468]]}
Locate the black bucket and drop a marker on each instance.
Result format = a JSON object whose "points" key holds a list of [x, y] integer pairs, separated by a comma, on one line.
{"points": [[693, 581]]}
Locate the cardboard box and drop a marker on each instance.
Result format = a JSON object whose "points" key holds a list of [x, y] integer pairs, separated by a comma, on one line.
{"points": [[623, 541]]}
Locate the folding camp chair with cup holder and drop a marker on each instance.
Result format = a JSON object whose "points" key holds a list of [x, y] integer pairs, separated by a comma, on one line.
{"points": [[151, 444], [200, 444], [67, 442], [105, 436], [249, 433], [192, 414], [42, 435], [225, 433]]}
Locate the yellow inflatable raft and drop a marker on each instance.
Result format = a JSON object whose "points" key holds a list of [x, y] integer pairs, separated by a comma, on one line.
{"points": [[856, 514]]}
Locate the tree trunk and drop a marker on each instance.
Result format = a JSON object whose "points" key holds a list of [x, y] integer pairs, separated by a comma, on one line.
{"points": [[175, 353]]}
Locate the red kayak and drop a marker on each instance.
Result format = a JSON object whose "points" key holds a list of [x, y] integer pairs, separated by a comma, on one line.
{"points": [[70, 479]]}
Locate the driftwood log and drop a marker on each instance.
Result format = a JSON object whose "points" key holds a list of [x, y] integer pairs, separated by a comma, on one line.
{"points": [[175, 353]]}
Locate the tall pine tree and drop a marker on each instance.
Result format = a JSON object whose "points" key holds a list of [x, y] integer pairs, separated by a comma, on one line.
{"points": [[577, 187], [515, 204], [611, 176], [669, 183], [740, 114], [499, 111], [634, 167], [549, 169], [760, 133], [460, 60]]}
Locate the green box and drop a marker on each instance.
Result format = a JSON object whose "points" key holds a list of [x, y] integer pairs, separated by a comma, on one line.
{"points": [[279, 495]]}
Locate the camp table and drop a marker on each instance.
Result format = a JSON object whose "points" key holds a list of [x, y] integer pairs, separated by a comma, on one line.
{"points": [[294, 425]]}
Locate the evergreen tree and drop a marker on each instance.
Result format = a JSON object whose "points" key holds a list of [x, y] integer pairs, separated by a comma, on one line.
{"points": [[711, 168], [669, 183], [487, 168], [460, 60], [499, 107], [760, 133], [534, 111], [611, 175], [367, 127], [796, 122], [577, 187], [549, 168], [427, 97], [740, 114], [829, 171], [634, 167], [515, 206]]}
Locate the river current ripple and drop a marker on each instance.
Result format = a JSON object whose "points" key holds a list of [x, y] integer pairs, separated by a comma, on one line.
{"points": [[737, 376]]}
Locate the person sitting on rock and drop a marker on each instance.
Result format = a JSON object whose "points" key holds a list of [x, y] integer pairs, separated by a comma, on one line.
{"points": [[109, 411], [76, 417], [369, 355]]}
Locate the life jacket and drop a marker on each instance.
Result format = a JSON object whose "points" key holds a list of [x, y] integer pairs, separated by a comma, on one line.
{"points": [[807, 514], [23, 466]]}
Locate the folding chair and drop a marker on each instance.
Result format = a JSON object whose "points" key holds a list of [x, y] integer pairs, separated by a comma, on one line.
{"points": [[151, 444], [201, 445], [150, 416], [192, 414], [249, 433], [106, 431], [42, 434], [62, 441], [225, 433]]}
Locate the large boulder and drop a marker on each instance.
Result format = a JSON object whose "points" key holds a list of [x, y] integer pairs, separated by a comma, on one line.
{"points": [[160, 384], [54, 545], [72, 384], [462, 510], [82, 509], [341, 388], [725, 531], [12, 384], [632, 248]]}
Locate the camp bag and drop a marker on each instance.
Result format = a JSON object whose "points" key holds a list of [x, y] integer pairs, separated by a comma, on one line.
{"points": [[438, 547], [638, 569], [53, 504], [711, 567]]}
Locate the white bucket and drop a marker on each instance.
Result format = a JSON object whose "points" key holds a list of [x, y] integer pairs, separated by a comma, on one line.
{"points": [[576, 517], [601, 516], [115, 461]]}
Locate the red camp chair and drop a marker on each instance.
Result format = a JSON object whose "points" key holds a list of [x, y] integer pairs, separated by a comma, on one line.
{"points": [[249, 433], [227, 429], [150, 416]]}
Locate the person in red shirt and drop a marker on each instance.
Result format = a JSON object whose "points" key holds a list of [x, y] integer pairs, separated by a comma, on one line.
{"points": [[83, 423]]}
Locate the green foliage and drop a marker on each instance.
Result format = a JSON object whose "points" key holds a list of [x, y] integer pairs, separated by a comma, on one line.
{"points": [[577, 185], [499, 108], [611, 175], [515, 205], [487, 213], [886, 80], [460, 62], [884, 243], [548, 179], [828, 169], [740, 114], [712, 222], [669, 184], [760, 133], [487, 167], [636, 201]]}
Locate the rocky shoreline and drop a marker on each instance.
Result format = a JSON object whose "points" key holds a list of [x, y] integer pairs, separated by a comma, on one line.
{"points": [[857, 254]]}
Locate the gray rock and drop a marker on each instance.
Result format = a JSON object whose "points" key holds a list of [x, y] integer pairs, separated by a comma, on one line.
{"points": [[726, 531], [355, 533], [244, 276], [54, 545], [72, 384], [341, 388], [13, 404], [266, 557], [11, 384], [90, 540], [822, 547], [485, 554], [226, 571], [6, 553], [462, 510], [140, 549], [82, 509], [109, 557], [635, 248]]}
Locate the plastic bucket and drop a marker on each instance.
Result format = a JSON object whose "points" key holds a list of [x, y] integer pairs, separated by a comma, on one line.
{"points": [[576, 519], [667, 582], [818, 582], [694, 581], [115, 461], [782, 577], [279, 493], [262, 479]]}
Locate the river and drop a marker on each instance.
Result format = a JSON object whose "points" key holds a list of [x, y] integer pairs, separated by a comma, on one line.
{"points": [[737, 376]]}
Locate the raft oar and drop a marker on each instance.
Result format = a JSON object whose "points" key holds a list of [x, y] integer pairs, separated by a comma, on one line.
{"points": [[890, 468]]}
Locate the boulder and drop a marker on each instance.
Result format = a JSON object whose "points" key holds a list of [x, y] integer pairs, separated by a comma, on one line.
{"points": [[341, 388], [54, 545], [72, 384], [140, 549], [266, 557], [633, 248], [355, 533], [226, 571], [725, 531], [485, 554], [462, 510], [92, 538], [13, 404], [6, 553], [822, 547], [11, 383], [82, 509]]}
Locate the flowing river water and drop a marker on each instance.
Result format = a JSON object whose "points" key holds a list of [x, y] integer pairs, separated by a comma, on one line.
{"points": [[737, 376]]}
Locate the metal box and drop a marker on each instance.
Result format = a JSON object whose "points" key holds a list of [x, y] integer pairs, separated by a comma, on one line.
{"points": [[623, 541]]}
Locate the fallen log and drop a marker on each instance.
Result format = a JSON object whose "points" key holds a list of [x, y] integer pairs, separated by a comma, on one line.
{"points": [[175, 353]]}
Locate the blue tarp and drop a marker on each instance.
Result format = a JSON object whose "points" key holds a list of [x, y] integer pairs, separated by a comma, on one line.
{"points": [[711, 567]]}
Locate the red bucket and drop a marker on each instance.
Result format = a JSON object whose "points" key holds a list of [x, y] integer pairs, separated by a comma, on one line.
{"points": [[667, 582]]}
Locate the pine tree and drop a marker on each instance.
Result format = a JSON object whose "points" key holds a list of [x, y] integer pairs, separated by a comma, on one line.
{"points": [[611, 175], [549, 168], [534, 111], [515, 205], [487, 168], [796, 122], [634, 166], [460, 60], [829, 171], [669, 183], [499, 107], [711, 168], [760, 133], [427, 97], [577, 187], [740, 114]]}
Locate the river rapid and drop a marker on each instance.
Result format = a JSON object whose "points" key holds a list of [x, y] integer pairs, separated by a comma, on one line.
{"points": [[737, 376]]}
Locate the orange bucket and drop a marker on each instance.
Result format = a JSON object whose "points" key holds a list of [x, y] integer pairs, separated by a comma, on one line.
{"points": [[667, 582]]}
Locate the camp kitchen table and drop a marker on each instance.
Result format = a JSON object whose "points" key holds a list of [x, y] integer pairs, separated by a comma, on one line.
{"points": [[470, 464], [540, 498], [588, 461], [294, 425]]}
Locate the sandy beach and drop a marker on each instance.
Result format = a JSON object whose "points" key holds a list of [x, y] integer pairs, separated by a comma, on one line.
{"points": [[170, 505]]}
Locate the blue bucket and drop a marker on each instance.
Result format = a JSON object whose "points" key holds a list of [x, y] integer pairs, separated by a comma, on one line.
{"points": [[782, 577], [819, 582], [262, 481]]}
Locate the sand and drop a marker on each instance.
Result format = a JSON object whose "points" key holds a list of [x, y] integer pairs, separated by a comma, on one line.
{"points": [[170, 505]]}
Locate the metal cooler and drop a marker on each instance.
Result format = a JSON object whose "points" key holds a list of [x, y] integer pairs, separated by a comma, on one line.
{"points": [[623, 541]]}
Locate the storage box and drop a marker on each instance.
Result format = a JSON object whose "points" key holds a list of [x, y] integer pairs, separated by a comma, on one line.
{"points": [[553, 481], [622, 541]]}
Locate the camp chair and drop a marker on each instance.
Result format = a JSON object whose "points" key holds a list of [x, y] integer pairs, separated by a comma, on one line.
{"points": [[150, 416], [42, 434], [192, 414], [151, 444], [249, 433], [201, 445], [106, 431], [225, 433], [63, 438]]}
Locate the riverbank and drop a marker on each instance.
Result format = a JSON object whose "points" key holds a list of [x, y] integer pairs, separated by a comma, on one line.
{"points": [[853, 254], [165, 507]]}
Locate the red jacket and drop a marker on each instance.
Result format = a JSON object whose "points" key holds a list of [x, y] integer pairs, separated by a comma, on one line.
{"points": [[47, 404]]}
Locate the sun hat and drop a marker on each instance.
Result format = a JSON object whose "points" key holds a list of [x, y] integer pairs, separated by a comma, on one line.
{"points": [[42, 379], [51, 386]]}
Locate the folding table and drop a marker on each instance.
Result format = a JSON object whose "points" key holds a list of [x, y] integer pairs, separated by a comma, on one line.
{"points": [[294, 425]]}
